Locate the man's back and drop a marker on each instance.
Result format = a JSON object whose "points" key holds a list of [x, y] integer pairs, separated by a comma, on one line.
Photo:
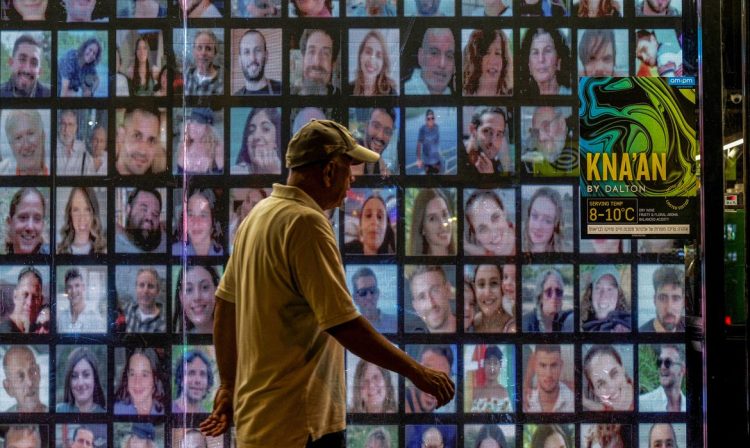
{"points": [[287, 284]]}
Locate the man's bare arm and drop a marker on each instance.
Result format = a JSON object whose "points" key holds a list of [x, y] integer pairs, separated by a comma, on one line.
{"points": [[360, 338], [225, 341]]}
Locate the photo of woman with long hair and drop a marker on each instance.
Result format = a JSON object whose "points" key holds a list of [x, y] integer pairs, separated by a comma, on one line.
{"points": [[545, 62], [82, 383], [488, 63], [82, 231], [372, 75], [260, 145], [141, 389], [432, 229]]}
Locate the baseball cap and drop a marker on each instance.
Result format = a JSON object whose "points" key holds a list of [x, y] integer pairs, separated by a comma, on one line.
{"points": [[320, 140], [602, 270]]}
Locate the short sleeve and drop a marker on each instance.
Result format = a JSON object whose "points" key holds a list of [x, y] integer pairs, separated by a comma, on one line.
{"points": [[227, 285], [317, 271]]}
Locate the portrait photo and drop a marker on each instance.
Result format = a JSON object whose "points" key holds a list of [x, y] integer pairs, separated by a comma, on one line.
{"points": [[377, 129], [195, 378], [241, 203], [662, 434], [367, 436], [603, 52], [487, 61], [431, 221], [488, 137], [198, 140], [607, 377], [201, 52], [431, 435], [30, 435], [256, 8], [606, 298], [22, 10], [313, 9], [662, 372], [370, 389], [25, 379], [544, 435], [429, 299], [81, 379], [374, 290], [256, 61], [430, 140], [81, 220], [544, 61], [661, 298], [429, 61], [314, 63], [81, 147], [547, 141], [658, 52], [370, 223], [82, 299], [141, 381], [490, 222], [501, 436], [141, 9], [669, 8], [547, 292], [26, 226], [77, 435], [192, 437], [140, 220], [141, 137], [139, 433], [82, 63], [193, 298], [199, 222], [27, 73], [141, 299], [597, 8], [141, 60], [547, 218], [373, 61], [548, 380], [442, 358], [255, 135], [490, 298], [21, 285], [489, 378], [599, 434], [25, 145]]}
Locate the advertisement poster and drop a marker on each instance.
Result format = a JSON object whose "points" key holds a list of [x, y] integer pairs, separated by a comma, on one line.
{"points": [[639, 157]]}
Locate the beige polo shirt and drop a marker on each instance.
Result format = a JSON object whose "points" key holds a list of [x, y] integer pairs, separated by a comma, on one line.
{"points": [[287, 282]]}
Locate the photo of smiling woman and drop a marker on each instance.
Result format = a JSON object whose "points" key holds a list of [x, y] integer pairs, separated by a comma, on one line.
{"points": [[489, 223], [544, 66], [547, 210], [605, 304], [607, 377], [256, 146], [491, 315], [194, 299], [24, 149], [82, 67], [26, 220], [26, 10], [368, 225], [489, 378], [141, 389], [376, 67], [431, 221], [487, 62], [371, 388], [81, 229], [83, 379]]}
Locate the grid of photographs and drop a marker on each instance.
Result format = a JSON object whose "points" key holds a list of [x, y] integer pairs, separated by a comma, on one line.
{"points": [[138, 134]]}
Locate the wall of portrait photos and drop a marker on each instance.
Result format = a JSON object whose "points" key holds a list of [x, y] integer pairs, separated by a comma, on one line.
{"points": [[138, 134]]}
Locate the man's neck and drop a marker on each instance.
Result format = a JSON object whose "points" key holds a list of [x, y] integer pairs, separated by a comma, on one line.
{"points": [[30, 405], [209, 72], [674, 398], [76, 310], [547, 400], [149, 310], [254, 86], [68, 148]]}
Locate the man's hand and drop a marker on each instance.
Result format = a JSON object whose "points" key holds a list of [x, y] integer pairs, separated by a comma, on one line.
{"points": [[436, 383], [484, 164], [221, 417]]}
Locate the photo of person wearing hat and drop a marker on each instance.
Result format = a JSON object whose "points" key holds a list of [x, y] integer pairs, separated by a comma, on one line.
{"points": [[605, 300], [285, 259], [198, 141], [138, 435]]}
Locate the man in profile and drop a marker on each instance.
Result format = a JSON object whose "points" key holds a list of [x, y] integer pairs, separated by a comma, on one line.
{"points": [[23, 436], [193, 378], [668, 397], [366, 295], [205, 77], [25, 67], [79, 317], [319, 53], [669, 301], [487, 141], [199, 9], [548, 149], [253, 55], [142, 232], [437, 357], [550, 394], [83, 437], [437, 64], [98, 151], [139, 145], [22, 376], [431, 299], [662, 435], [378, 134], [656, 8], [72, 157]]}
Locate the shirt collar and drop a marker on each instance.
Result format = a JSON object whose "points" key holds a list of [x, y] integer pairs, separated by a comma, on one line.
{"points": [[295, 194]]}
